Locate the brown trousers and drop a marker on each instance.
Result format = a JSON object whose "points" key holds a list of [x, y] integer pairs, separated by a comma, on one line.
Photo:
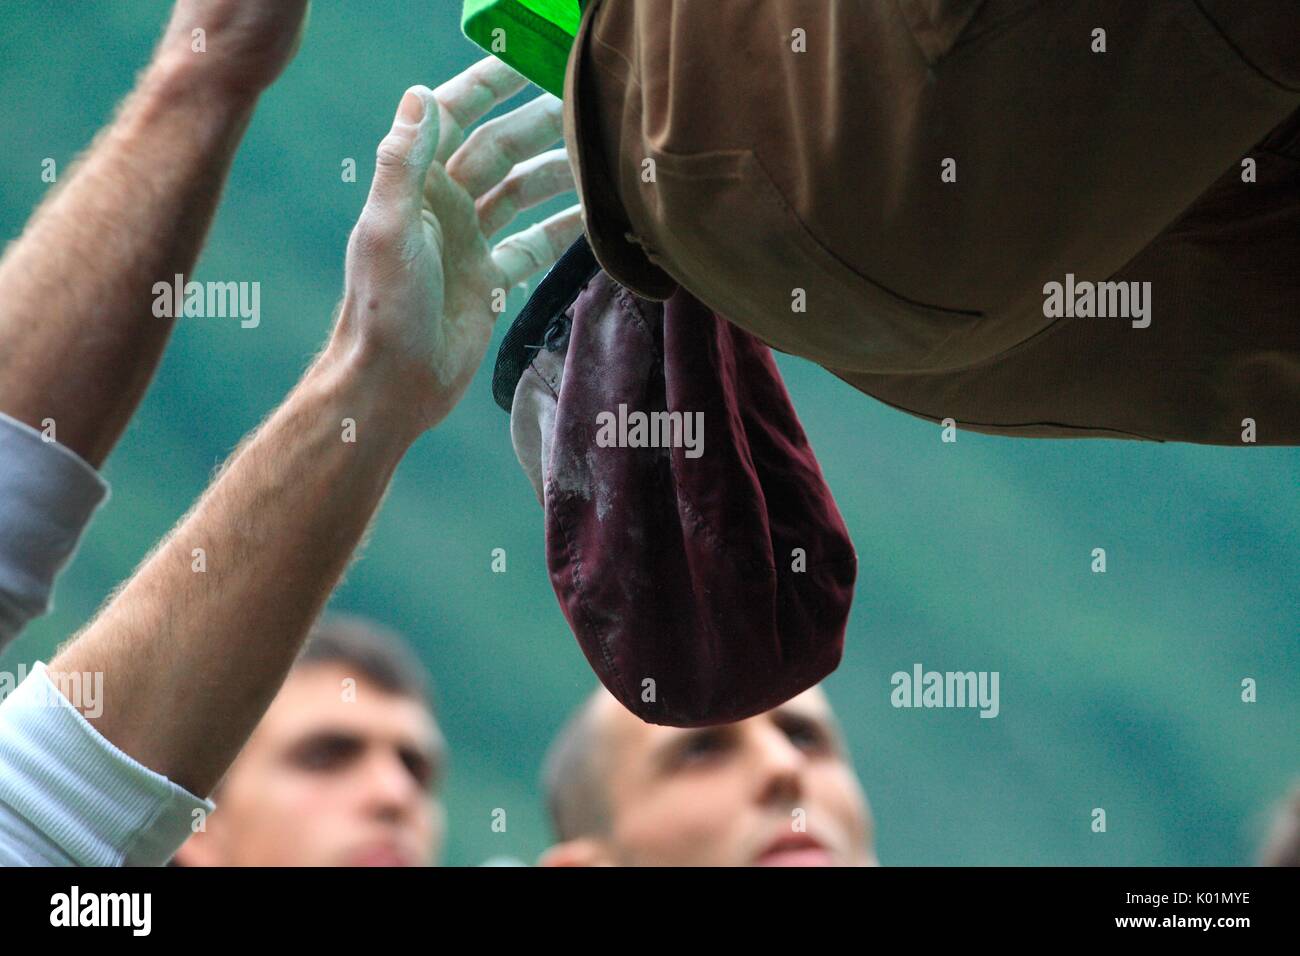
{"points": [[891, 187]]}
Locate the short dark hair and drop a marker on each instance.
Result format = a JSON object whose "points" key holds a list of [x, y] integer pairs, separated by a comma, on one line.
{"points": [[375, 652]]}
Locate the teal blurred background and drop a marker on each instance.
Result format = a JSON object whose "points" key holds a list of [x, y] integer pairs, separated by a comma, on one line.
{"points": [[1118, 690]]}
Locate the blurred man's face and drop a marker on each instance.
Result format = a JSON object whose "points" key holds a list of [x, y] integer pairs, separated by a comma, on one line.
{"points": [[774, 790], [329, 781]]}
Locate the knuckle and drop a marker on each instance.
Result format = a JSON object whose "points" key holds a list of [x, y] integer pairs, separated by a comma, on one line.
{"points": [[447, 106], [558, 177], [478, 136], [508, 144], [392, 151], [514, 187], [375, 232]]}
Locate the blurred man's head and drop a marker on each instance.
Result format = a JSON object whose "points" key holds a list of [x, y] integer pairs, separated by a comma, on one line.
{"points": [[774, 790], [345, 768]]}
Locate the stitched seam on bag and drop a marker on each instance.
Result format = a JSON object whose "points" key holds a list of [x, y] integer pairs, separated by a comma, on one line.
{"points": [[701, 525], [615, 292], [630, 306], [578, 590]]}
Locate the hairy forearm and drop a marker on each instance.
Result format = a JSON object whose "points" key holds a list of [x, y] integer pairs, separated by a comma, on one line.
{"points": [[78, 338], [190, 658]]}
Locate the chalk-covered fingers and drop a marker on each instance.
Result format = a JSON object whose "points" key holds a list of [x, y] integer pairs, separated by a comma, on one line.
{"points": [[529, 184], [536, 248], [467, 98], [402, 164], [496, 147], [424, 283], [395, 278]]}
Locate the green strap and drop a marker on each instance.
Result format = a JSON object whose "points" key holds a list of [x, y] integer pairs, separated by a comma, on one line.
{"points": [[533, 36]]}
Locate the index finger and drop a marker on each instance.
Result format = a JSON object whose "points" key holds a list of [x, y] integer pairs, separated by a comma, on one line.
{"points": [[465, 99]]}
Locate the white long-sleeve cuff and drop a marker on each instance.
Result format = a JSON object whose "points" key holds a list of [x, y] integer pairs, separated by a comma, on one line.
{"points": [[72, 795]]}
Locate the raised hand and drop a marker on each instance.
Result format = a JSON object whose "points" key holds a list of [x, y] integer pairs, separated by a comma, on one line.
{"points": [[424, 281]]}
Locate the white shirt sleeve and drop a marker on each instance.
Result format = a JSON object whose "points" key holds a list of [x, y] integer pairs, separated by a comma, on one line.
{"points": [[68, 797], [47, 497]]}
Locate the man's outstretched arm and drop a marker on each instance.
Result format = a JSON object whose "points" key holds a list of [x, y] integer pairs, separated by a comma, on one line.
{"points": [[78, 338], [192, 658]]}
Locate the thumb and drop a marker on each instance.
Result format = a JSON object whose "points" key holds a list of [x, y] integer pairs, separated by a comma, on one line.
{"points": [[403, 159]]}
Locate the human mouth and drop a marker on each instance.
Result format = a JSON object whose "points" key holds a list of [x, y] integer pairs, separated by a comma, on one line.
{"points": [[380, 856], [796, 850]]}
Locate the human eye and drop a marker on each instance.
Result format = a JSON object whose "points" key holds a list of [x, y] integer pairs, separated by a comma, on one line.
{"points": [[701, 747], [325, 753], [807, 735]]}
